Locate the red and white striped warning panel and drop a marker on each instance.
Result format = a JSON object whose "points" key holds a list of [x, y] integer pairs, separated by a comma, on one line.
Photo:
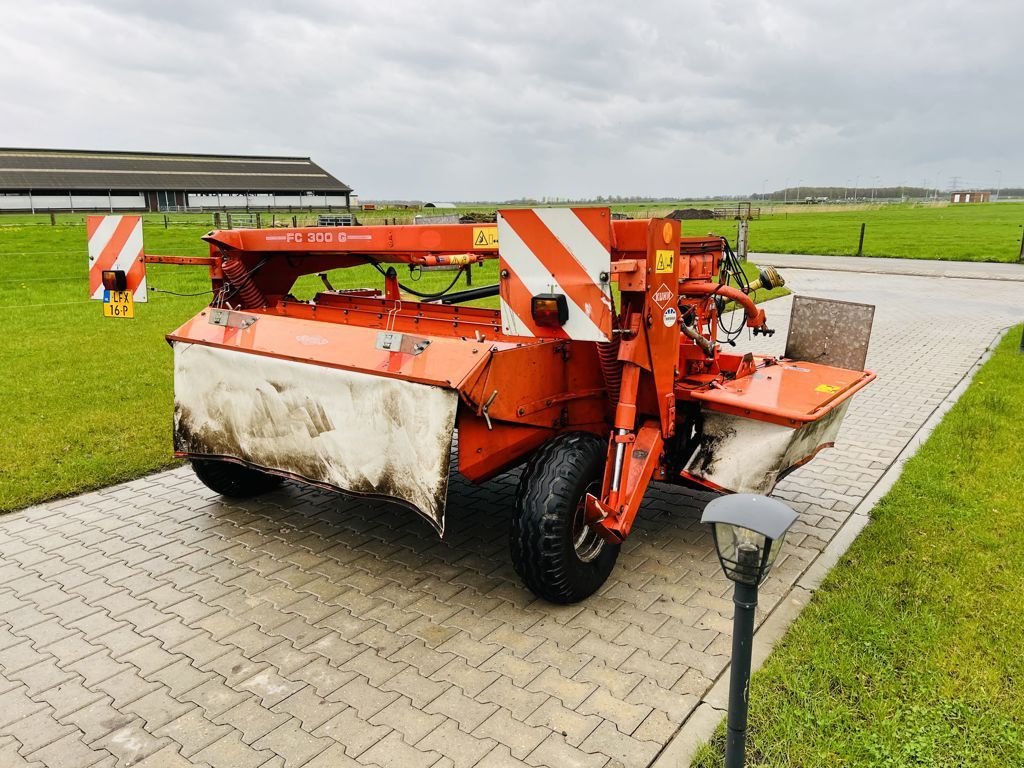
{"points": [[115, 242], [560, 251]]}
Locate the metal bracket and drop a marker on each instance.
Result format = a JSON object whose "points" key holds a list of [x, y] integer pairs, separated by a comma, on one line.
{"points": [[486, 408], [226, 318], [389, 341]]}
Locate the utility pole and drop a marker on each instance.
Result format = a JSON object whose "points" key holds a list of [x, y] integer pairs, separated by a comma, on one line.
{"points": [[856, 184], [999, 183]]}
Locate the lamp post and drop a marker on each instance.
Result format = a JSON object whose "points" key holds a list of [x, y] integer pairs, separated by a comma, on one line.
{"points": [[749, 531]]}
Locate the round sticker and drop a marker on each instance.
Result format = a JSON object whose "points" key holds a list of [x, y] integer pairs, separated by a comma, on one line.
{"points": [[670, 316]]}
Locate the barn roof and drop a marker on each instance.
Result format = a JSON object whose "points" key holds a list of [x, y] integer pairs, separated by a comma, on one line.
{"points": [[67, 169]]}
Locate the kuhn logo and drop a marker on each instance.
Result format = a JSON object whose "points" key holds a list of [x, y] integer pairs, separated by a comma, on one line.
{"points": [[663, 295]]}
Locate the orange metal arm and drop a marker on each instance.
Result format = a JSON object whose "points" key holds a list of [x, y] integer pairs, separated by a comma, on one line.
{"points": [[191, 261], [384, 243]]}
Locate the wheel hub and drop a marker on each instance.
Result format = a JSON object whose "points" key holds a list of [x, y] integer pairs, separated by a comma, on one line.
{"points": [[585, 540]]}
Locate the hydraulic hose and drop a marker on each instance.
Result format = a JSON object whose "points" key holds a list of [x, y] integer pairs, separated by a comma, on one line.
{"points": [[755, 316]]}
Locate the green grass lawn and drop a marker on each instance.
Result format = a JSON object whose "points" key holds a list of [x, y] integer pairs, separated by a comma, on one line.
{"points": [[86, 401], [984, 232], [910, 653]]}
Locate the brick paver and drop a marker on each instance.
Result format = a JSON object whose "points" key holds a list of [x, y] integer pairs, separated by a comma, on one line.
{"points": [[153, 623]]}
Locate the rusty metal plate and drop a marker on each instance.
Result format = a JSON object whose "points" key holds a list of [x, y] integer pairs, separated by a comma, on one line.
{"points": [[829, 332]]}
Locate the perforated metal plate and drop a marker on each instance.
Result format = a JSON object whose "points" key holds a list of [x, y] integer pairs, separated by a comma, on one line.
{"points": [[830, 332]]}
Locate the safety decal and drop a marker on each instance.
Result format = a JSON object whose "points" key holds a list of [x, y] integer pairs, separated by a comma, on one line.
{"points": [[485, 237], [665, 262]]}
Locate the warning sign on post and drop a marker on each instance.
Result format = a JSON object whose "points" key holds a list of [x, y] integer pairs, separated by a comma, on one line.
{"points": [[115, 248]]}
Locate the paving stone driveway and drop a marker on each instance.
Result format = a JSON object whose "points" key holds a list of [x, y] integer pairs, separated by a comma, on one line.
{"points": [[153, 624]]}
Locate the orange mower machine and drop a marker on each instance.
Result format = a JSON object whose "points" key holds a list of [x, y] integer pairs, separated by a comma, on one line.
{"points": [[598, 391]]}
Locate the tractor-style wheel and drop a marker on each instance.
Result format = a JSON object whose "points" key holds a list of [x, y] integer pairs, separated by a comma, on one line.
{"points": [[554, 551], [234, 480]]}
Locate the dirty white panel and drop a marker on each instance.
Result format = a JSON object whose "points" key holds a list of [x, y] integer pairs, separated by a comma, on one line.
{"points": [[744, 455], [353, 431]]}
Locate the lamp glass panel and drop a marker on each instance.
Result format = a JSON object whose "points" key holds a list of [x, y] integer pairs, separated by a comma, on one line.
{"points": [[741, 552], [773, 552]]}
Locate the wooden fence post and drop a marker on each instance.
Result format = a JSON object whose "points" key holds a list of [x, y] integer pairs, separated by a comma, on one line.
{"points": [[860, 245]]}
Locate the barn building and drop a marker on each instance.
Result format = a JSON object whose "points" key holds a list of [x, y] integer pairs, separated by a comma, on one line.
{"points": [[82, 180], [970, 196]]}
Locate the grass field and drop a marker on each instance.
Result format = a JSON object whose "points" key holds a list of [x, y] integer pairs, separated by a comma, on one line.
{"points": [[989, 232], [909, 654], [86, 401]]}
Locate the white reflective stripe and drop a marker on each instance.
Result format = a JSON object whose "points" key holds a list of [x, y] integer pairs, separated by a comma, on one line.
{"points": [[102, 236], [577, 239], [537, 279], [512, 323]]}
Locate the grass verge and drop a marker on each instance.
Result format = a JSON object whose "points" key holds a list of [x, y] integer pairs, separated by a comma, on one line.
{"points": [[909, 654]]}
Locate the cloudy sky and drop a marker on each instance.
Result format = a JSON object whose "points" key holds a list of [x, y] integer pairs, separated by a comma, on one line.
{"points": [[569, 98]]}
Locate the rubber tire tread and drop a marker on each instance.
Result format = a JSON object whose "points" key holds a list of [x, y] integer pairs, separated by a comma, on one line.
{"points": [[232, 480], [540, 535]]}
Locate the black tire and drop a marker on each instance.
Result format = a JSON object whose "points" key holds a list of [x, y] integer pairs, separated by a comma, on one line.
{"points": [[555, 554], [234, 480]]}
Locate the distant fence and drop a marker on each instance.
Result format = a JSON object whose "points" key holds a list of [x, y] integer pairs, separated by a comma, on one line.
{"points": [[741, 211], [339, 220]]}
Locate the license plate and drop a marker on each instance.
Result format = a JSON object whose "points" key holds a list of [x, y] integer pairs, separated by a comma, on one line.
{"points": [[118, 304]]}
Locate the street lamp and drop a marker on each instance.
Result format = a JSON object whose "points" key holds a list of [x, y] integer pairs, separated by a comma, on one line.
{"points": [[749, 531]]}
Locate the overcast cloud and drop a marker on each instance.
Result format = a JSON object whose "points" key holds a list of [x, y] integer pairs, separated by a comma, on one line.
{"points": [[491, 101]]}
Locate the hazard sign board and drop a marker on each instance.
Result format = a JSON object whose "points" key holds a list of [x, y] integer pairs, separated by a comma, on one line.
{"points": [[115, 247]]}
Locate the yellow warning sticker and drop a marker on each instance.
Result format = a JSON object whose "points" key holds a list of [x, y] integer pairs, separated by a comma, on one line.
{"points": [[665, 262], [827, 388], [485, 237]]}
